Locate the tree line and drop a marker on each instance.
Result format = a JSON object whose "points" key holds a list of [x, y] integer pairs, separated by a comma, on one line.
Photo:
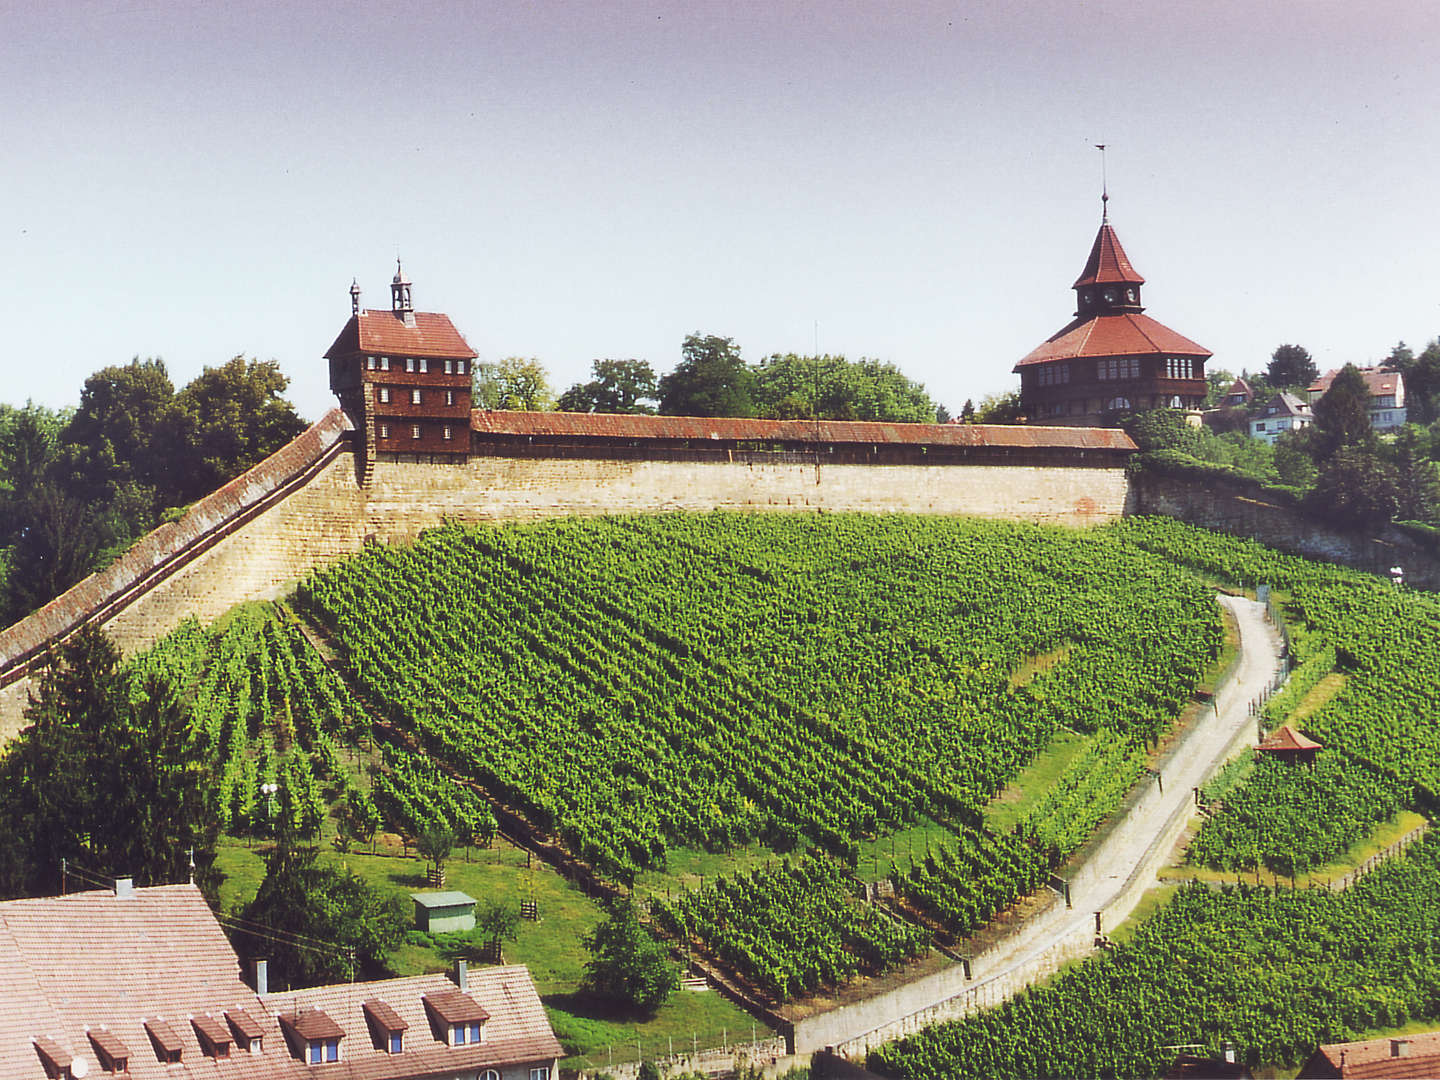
{"points": [[713, 379], [77, 487]]}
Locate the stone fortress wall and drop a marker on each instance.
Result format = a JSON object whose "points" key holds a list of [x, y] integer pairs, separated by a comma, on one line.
{"points": [[304, 506]]}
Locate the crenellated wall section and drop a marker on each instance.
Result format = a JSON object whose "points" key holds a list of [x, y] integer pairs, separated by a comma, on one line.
{"points": [[306, 505]]}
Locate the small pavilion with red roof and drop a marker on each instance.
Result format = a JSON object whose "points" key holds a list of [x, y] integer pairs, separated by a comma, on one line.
{"points": [[1112, 358], [1290, 745]]}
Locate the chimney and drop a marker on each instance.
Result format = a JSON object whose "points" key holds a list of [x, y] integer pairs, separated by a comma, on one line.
{"points": [[262, 977], [1399, 1048], [462, 970], [124, 888]]}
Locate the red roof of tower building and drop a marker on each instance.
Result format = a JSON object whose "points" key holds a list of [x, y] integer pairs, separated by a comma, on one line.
{"points": [[433, 335], [1108, 263], [1121, 334]]}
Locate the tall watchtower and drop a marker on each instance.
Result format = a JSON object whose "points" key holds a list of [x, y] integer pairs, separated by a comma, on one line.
{"points": [[1112, 358], [403, 376]]}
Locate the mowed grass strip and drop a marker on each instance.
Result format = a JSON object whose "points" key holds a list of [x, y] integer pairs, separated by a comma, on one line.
{"points": [[1033, 781]]}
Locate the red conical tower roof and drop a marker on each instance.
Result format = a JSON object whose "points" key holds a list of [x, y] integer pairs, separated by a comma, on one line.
{"points": [[1108, 264]]}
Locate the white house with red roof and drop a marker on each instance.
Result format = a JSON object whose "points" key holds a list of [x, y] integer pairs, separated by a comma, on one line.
{"points": [[1112, 358], [143, 984], [1387, 395]]}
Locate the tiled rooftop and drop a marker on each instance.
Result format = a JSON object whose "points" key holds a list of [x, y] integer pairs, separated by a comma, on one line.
{"points": [[1124, 334], [382, 332], [91, 972]]}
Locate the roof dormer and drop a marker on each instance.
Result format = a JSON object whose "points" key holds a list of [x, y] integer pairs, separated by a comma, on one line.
{"points": [[456, 1017], [314, 1037], [168, 1047], [387, 1029], [113, 1055], [213, 1034]]}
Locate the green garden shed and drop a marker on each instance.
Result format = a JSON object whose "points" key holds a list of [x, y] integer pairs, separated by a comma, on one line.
{"points": [[443, 912]]}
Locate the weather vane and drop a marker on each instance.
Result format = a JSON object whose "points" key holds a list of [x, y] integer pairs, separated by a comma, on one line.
{"points": [[1104, 186]]}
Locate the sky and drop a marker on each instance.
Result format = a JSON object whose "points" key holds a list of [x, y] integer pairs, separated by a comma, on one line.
{"points": [[910, 181]]}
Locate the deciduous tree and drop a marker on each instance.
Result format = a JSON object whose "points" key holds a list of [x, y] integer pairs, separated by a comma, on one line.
{"points": [[710, 380], [627, 963], [1291, 366], [616, 386], [514, 383]]}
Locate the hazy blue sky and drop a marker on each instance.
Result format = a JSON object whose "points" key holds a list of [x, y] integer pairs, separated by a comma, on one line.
{"points": [[577, 180]]}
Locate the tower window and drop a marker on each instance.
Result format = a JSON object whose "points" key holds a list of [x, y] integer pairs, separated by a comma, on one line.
{"points": [[449, 432], [371, 361], [414, 397], [384, 395], [459, 367], [409, 363], [414, 431], [424, 365], [449, 397], [449, 367], [384, 363]]}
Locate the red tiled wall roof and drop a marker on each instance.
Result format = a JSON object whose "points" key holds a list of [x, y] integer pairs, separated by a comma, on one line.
{"points": [[580, 426], [1108, 262]]}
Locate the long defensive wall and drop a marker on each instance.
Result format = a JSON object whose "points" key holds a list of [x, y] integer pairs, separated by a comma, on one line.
{"points": [[322, 497]]}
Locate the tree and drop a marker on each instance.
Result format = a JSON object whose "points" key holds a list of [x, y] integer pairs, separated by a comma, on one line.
{"points": [[227, 419], [1291, 366], [112, 436], [617, 386], [108, 775], [967, 411], [627, 963], [1422, 385], [1217, 385], [833, 388], [1342, 415], [320, 913], [1000, 409], [514, 383], [710, 380], [498, 920], [1417, 475], [1355, 489], [435, 842]]}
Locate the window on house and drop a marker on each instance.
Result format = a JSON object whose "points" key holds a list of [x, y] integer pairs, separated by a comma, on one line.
{"points": [[322, 1050], [384, 395], [384, 431], [384, 363], [424, 366], [448, 432], [409, 363], [397, 1041], [414, 431], [491, 1074], [542, 1073], [449, 397], [449, 367], [460, 367], [1259, 426], [255, 1043], [414, 397], [370, 362]]}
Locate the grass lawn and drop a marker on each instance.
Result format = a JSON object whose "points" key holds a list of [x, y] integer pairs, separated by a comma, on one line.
{"points": [[902, 848]]}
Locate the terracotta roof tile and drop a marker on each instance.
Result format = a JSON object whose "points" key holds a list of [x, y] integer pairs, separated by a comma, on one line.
{"points": [[1123, 334], [246, 1026], [383, 1016], [55, 1056], [213, 1029], [1286, 737], [1108, 262], [1418, 1056], [1378, 383], [516, 1032], [455, 1007], [311, 1023], [558, 425], [385, 333], [109, 1043], [165, 1037]]}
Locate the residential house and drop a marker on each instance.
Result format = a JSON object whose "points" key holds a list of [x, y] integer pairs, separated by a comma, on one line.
{"points": [[1387, 395], [1282, 413]]}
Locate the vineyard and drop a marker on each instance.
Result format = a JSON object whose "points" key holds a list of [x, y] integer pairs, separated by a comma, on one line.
{"points": [[959, 888], [790, 929], [1291, 818], [637, 684], [1276, 973]]}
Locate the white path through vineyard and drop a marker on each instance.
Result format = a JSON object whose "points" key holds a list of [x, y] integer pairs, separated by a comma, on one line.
{"points": [[1110, 882]]}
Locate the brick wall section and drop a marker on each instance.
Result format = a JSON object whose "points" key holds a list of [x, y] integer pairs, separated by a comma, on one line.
{"points": [[304, 506]]}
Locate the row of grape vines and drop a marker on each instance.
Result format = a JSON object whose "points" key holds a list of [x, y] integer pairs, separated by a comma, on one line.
{"points": [[791, 928], [1089, 790], [960, 887]]}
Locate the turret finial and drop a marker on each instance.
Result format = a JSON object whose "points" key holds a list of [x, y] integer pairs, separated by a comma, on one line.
{"points": [[1104, 187]]}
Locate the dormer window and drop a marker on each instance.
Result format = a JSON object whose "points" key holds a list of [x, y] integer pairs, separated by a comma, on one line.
{"points": [[458, 1018], [314, 1037], [214, 1036], [113, 1055], [54, 1058], [167, 1044], [386, 1027]]}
